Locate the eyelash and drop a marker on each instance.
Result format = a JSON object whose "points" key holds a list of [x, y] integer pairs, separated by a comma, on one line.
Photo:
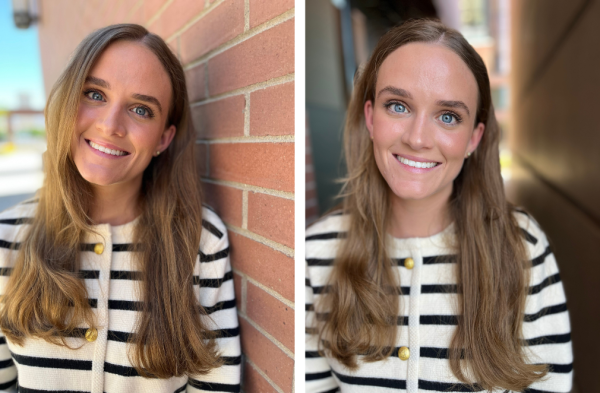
{"points": [[389, 104], [148, 116]]}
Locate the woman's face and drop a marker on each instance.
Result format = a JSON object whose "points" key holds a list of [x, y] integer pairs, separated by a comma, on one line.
{"points": [[122, 115], [422, 120]]}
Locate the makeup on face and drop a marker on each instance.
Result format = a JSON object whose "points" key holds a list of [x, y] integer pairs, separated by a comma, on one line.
{"points": [[421, 121]]}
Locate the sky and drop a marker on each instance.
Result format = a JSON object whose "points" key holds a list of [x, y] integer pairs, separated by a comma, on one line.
{"points": [[20, 64]]}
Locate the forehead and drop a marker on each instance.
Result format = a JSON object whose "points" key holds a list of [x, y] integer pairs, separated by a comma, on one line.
{"points": [[132, 67], [429, 71]]}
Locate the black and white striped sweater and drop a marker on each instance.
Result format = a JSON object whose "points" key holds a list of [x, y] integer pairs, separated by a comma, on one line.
{"points": [[428, 320], [110, 278]]}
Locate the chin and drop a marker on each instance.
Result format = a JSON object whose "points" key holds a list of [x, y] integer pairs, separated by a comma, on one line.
{"points": [[97, 177]]}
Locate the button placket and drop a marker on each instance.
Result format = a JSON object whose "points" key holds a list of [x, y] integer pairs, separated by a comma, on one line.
{"points": [[412, 380]]}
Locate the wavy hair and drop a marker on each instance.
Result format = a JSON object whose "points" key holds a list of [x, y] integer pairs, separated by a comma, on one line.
{"points": [[362, 303], [46, 297]]}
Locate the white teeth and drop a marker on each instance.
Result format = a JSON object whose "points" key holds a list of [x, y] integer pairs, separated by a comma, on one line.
{"points": [[107, 151], [416, 164]]}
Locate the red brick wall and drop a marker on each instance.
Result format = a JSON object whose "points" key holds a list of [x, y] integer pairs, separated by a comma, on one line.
{"points": [[312, 204], [239, 61]]}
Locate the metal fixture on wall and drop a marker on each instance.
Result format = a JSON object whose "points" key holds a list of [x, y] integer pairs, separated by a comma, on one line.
{"points": [[25, 12]]}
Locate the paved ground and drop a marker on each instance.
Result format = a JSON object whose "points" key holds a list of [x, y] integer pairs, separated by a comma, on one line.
{"points": [[20, 171]]}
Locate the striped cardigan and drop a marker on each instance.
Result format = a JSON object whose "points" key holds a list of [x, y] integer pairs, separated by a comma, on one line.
{"points": [[428, 319], [110, 279]]}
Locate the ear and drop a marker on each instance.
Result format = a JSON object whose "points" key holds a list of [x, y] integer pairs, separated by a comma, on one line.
{"points": [[475, 137], [369, 117], [166, 138]]}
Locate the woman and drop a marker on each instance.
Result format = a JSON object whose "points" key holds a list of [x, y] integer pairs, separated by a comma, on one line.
{"points": [[428, 279], [116, 279]]}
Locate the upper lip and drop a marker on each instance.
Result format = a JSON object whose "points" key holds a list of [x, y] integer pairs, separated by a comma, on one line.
{"points": [[413, 158], [107, 145]]}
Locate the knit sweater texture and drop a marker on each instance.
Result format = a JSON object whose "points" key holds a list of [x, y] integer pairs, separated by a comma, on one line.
{"points": [[427, 319], [111, 281]]}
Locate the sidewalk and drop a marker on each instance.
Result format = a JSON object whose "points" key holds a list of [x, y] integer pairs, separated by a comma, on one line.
{"points": [[20, 171]]}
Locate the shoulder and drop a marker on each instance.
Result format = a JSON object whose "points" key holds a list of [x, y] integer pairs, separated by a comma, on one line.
{"points": [[534, 237], [214, 232], [25, 209], [333, 225]]}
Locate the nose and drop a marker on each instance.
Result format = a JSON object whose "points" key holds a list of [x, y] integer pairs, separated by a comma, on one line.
{"points": [[110, 122], [417, 133]]}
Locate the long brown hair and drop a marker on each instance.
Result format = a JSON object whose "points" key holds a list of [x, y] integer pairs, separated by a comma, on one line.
{"points": [[46, 298], [362, 301]]}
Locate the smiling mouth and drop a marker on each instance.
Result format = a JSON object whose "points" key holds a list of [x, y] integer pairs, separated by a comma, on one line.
{"points": [[416, 164], [105, 150]]}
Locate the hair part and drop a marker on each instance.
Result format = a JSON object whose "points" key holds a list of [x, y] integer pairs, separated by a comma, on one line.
{"points": [[46, 298], [358, 314]]}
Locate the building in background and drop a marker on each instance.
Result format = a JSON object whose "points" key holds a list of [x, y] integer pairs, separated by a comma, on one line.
{"points": [[238, 56]]}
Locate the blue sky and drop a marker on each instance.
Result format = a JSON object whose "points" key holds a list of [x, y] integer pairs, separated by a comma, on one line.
{"points": [[20, 65]]}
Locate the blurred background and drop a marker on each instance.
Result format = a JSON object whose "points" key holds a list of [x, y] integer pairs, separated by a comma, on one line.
{"points": [[22, 100], [543, 58]]}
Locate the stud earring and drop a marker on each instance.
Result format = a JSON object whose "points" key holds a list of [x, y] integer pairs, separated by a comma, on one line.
{"points": [[468, 155], [157, 153]]}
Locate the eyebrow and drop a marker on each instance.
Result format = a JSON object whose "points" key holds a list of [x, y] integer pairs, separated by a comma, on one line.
{"points": [[396, 91], [454, 104], [403, 93], [141, 97]]}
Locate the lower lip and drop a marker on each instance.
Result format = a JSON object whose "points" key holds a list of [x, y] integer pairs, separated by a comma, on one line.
{"points": [[102, 154], [416, 170]]}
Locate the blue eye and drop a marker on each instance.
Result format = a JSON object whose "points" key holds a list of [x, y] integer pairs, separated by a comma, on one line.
{"points": [[93, 95], [448, 118], [399, 108], [141, 111]]}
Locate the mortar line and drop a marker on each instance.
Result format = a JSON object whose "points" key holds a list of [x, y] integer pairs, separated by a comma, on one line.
{"points": [[207, 9], [262, 374], [283, 348], [280, 80], [134, 9], [253, 139], [247, 115], [245, 209], [241, 186], [273, 293], [288, 15], [263, 240], [246, 15], [158, 14]]}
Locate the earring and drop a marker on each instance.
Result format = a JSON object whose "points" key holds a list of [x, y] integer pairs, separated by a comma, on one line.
{"points": [[468, 155], [157, 153]]}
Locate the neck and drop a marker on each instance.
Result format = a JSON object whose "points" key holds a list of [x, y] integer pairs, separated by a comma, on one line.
{"points": [[116, 204], [420, 218]]}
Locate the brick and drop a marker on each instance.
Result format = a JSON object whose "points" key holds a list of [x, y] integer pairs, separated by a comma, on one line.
{"points": [[270, 267], [177, 14], [267, 356], [261, 11], [310, 176], [269, 165], [310, 194], [311, 212], [237, 285], [122, 10], [271, 314], [196, 83], [260, 58], [227, 202], [202, 158], [254, 382], [272, 110], [150, 8], [271, 217], [220, 25], [220, 119]]}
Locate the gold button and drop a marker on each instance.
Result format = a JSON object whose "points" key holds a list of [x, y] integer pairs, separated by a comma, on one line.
{"points": [[409, 263], [99, 248], [91, 334], [403, 353]]}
